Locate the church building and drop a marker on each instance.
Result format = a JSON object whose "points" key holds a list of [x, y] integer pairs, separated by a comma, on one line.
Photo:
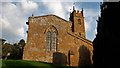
{"points": [[55, 40]]}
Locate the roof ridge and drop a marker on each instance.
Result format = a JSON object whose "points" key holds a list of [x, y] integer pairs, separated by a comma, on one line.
{"points": [[83, 39], [49, 15]]}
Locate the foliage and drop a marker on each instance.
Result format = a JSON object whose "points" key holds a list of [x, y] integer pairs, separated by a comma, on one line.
{"points": [[13, 51]]}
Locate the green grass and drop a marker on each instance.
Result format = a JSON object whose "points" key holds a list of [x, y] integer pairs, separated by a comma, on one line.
{"points": [[0, 63], [28, 64]]}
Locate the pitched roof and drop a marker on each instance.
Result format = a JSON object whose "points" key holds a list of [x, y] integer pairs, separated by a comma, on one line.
{"points": [[81, 38], [51, 16]]}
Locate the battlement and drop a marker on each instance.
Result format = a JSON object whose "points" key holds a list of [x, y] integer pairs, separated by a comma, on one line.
{"points": [[77, 19], [77, 13]]}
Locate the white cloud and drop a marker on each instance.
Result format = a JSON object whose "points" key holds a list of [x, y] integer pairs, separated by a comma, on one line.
{"points": [[95, 31], [20, 31], [28, 6], [55, 8], [10, 21], [90, 22], [4, 22], [12, 18], [59, 8], [87, 26], [90, 18]]}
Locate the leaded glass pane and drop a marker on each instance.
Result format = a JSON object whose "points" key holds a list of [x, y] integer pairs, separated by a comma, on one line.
{"points": [[54, 41], [48, 41]]}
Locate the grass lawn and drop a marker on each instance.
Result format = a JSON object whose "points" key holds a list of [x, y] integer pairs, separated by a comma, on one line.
{"points": [[28, 64]]}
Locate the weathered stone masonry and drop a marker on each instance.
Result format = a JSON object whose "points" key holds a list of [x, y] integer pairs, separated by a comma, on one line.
{"points": [[69, 44]]}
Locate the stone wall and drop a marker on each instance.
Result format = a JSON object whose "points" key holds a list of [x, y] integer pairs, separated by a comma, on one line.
{"points": [[69, 45]]}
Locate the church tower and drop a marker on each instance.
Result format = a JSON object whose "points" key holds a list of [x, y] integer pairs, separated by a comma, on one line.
{"points": [[77, 19]]}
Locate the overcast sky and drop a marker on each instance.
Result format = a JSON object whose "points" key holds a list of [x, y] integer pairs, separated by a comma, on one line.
{"points": [[14, 15]]}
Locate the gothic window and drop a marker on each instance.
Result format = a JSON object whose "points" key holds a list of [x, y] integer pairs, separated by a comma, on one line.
{"points": [[54, 41], [48, 40], [79, 22], [51, 39]]}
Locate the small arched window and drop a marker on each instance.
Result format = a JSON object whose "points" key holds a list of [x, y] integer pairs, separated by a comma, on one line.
{"points": [[51, 39]]}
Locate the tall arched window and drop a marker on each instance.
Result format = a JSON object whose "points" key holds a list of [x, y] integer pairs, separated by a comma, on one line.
{"points": [[51, 39], [79, 21], [54, 41], [48, 41]]}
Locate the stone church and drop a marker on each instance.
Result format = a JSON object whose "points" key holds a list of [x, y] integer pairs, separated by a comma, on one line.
{"points": [[55, 40]]}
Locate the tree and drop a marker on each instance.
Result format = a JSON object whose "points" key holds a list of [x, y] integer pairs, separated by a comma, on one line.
{"points": [[21, 45], [9, 51], [13, 51]]}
